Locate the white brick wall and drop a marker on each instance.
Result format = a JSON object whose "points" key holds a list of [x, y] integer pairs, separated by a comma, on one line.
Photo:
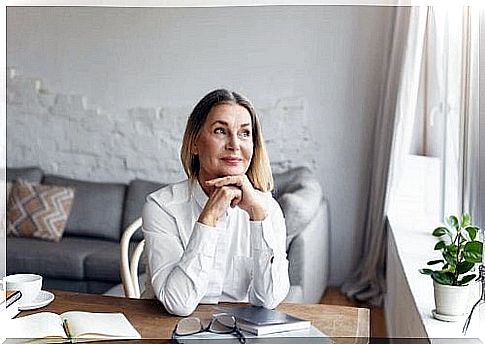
{"points": [[67, 135], [327, 61]]}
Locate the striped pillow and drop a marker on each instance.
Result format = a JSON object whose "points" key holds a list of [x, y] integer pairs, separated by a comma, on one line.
{"points": [[38, 211]]}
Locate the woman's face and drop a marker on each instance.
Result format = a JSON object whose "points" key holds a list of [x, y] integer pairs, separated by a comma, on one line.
{"points": [[225, 143]]}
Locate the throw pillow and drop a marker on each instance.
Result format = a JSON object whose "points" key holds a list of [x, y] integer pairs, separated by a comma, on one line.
{"points": [[9, 188], [38, 211], [299, 195]]}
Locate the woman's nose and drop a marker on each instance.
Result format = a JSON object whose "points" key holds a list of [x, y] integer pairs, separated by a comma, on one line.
{"points": [[232, 142]]}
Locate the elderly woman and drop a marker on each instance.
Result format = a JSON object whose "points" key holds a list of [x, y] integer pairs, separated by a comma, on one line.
{"points": [[218, 236]]}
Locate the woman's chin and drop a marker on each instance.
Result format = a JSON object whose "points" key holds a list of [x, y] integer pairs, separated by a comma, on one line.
{"points": [[232, 172]]}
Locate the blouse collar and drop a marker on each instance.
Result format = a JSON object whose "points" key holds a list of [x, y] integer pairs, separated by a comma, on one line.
{"points": [[199, 194]]}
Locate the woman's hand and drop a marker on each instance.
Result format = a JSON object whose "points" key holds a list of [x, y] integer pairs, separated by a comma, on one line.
{"points": [[219, 200], [249, 200]]}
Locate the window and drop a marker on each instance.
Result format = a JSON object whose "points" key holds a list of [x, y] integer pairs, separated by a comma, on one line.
{"points": [[439, 172]]}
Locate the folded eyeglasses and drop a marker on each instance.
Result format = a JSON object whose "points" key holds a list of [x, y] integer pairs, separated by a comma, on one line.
{"points": [[221, 323]]}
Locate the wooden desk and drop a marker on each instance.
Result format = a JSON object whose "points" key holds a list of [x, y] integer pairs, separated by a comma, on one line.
{"points": [[344, 324]]}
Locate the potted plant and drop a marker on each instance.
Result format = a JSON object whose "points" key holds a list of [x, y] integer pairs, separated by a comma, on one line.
{"points": [[461, 252]]}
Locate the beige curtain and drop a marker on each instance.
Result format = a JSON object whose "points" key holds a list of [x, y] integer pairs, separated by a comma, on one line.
{"points": [[469, 100], [393, 129], [449, 80]]}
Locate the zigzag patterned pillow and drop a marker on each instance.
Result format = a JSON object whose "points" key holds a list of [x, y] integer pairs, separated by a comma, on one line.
{"points": [[38, 211]]}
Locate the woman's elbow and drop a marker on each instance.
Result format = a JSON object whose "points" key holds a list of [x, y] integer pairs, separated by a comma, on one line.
{"points": [[177, 306], [271, 300], [274, 302], [179, 310], [270, 305], [266, 303]]}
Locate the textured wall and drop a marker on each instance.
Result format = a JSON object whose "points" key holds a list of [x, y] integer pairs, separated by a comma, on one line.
{"points": [[64, 135], [314, 72]]}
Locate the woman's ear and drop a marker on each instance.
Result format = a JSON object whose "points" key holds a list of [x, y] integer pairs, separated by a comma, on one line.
{"points": [[194, 149]]}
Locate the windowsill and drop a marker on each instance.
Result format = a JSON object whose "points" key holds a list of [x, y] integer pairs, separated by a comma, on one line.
{"points": [[414, 244]]}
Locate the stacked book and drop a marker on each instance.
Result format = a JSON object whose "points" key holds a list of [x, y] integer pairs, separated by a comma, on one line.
{"points": [[9, 304], [262, 321]]}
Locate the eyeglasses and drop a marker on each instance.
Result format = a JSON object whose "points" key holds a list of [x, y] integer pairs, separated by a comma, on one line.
{"points": [[221, 324]]}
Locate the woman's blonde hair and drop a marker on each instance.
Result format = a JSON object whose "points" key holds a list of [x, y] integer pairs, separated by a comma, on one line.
{"points": [[259, 171]]}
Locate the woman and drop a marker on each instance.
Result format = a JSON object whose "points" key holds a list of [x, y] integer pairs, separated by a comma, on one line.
{"points": [[218, 236]]}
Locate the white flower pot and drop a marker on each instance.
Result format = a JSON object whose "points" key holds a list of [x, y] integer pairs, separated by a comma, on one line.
{"points": [[451, 300]]}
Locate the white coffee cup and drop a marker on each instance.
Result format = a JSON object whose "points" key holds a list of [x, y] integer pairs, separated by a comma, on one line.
{"points": [[29, 285]]}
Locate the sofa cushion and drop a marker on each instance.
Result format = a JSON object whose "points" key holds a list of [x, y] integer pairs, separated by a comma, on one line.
{"points": [[31, 174], [135, 199], [299, 194], [97, 208], [93, 287], [65, 259], [104, 265], [38, 211]]}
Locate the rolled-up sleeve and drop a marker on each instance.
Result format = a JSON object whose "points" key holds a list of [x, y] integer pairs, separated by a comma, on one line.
{"points": [[179, 276], [270, 283]]}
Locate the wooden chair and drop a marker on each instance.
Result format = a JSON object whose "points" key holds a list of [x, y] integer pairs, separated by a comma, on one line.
{"points": [[129, 269]]}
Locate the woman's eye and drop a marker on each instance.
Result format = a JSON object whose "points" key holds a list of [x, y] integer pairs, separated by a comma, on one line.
{"points": [[219, 131], [246, 133]]}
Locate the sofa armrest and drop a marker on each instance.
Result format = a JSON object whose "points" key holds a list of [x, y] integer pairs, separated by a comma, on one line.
{"points": [[308, 257]]}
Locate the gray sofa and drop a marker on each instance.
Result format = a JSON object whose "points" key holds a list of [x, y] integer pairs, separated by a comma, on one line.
{"points": [[87, 257]]}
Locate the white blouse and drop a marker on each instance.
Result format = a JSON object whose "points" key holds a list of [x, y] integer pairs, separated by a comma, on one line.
{"points": [[190, 263]]}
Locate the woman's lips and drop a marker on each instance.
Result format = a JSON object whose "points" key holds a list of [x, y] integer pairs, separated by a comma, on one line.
{"points": [[232, 161]]}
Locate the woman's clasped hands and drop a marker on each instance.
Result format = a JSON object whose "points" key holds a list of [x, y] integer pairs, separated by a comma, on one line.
{"points": [[231, 191]]}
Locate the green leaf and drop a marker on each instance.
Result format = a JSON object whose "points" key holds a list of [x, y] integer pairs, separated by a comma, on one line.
{"points": [[453, 221], [433, 262], [464, 267], [466, 279], [465, 235], [452, 249], [450, 258], [472, 252], [465, 220], [426, 271], [472, 231], [440, 231], [440, 245], [442, 277]]}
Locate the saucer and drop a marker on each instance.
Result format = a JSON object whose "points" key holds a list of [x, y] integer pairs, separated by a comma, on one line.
{"points": [[43, 299], [449, 318]]}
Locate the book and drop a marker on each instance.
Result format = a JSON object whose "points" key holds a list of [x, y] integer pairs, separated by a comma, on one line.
{"points": [[310, 335], [260, 321], [72, 326], [9, 305]]}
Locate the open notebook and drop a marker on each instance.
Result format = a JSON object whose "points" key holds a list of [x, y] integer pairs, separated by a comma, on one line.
{"points": [[72, 326], [9, 304]]}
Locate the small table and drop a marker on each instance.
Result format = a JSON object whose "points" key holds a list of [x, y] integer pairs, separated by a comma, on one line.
{"points": [[149, 317]]}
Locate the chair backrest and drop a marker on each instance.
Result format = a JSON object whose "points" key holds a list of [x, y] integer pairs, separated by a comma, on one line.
{"points": [[129, 269]]}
